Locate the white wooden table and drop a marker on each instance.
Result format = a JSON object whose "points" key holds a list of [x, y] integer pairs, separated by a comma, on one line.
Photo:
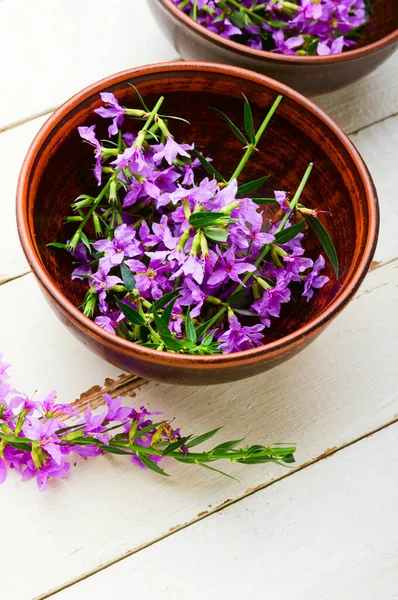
{"points": [[326, 530]]}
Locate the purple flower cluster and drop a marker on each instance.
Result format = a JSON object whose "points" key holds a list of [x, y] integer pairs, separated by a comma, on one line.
{"points": [[296, 27], [164, 230], [35, 441]]}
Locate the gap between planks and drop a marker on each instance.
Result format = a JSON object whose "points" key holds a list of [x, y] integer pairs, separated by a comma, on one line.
{"points": [[203, 515]]}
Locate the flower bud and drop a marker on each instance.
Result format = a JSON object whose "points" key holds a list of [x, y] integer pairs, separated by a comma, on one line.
{"points": [[97, 225], [196, 244], [187, 209], [204, 248], [184, 238], [274, 257]]}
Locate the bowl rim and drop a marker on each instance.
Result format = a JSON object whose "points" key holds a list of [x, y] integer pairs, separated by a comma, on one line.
{"points": [[244, 50], [154, 356]]}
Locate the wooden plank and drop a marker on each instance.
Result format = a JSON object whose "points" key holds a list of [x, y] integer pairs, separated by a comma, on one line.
{"points": [[340, 388], [377, 144], [367, 101], [71, 46], [59, 48], [327, 532]]}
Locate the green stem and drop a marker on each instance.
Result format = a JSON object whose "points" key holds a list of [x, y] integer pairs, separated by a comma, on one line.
{"points": [[251, 148], [141, 136]]}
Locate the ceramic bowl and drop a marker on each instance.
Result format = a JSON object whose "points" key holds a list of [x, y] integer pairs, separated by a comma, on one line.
{"points": [[309, 75], [56, 170]]}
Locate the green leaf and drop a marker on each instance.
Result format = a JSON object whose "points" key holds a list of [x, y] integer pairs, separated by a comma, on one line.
{"points": [[249, 124], [175, 118], [216, 234], [140, 98], [127, 277], [217, 471], [284, 236], [162, 328], [131, 315], [207, 166], [208, 339], [174, 446], [165, 299], [190, 328], [145, 430], [312, 48], [201, 330], [233, 127], [325, 240], [246, 313], [226, 446], [264, 200], [203, 438], [201, 219], [56, 245], [166, 316], [277, 24], [148, 462], [85, 241], [252, 186], [173, 344]]}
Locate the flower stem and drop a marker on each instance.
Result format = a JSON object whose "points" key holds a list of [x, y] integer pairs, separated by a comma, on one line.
{"points": [[251, 148]]}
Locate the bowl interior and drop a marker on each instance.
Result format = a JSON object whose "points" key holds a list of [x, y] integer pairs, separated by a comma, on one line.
{"points": [[383, 21], [295, 137]]}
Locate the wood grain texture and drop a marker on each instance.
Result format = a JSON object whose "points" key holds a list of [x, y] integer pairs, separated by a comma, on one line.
{"points": [[339, 389], [327, 532], [59, 48]]}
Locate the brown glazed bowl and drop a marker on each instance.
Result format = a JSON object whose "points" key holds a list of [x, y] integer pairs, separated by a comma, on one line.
{"points": [[57, 167], [309, 75]]}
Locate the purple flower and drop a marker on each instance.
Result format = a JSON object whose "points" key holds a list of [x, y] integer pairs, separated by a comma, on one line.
{"points": [[88, 134], [151, 281], [239, 338], [133, 158], [3, 471], [314, 280], [94, 425], [123, 245], [109, 323], [43, 431], [193, 296], [102, 282], [286, 46], [170, 150], [111, 110], [116, 412], [281, 198], [230, 268]]}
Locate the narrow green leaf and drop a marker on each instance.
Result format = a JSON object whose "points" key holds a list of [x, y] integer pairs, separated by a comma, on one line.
{"points": [[252, 186], [166, 315], [264, 200], [246, 313], [203, 438], [207, 340], [201, 219], [165, 299], [85, 241], [233, 127], [127, 277], [174, 446], [217, 471], [162, 328], [201, 330], [277, 24], [326, 241], [56, 245], [140, 98], [131, 315], [147, 429], [249, 124], [216, 234], [190, 328], [226, 446], [207, 166], [148, 462], [284, 236], [173, 344]]}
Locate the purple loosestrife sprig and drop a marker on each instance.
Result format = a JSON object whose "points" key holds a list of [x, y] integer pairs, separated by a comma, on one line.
{"points": [[36, 442], [293, 27], [180, 258]]}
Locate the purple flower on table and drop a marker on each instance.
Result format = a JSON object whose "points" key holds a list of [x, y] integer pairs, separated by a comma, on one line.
{"points": [[102, 282], [109, 322], [111, 110], [122, 245], [88, 134], [23, 403], [230, 267], [48, 407], [240, 337], [170, 150], [3, 471], [116, 412], [286, 46], [50, 469], [314, 279], [94, 425], [44, 432]]}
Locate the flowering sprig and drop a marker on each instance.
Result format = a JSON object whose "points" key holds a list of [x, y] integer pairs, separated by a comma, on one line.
{"points": [[295, 27], [175, 260], [36, 442]]}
